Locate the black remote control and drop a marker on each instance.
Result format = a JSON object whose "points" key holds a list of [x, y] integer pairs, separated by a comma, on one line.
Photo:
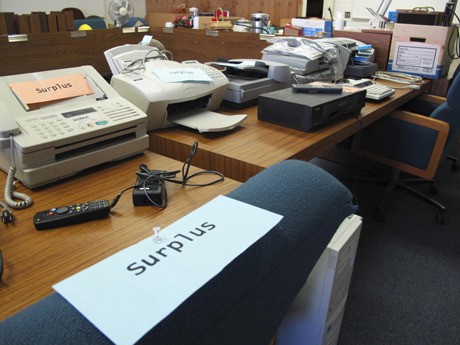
{"points": [[73, 214], [317, 88]]}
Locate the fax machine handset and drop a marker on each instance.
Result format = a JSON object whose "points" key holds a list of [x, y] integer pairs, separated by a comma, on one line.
{"points": [[8, 126]]}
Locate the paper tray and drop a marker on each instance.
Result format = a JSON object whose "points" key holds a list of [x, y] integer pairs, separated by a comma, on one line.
{"points": [[207, 121]]}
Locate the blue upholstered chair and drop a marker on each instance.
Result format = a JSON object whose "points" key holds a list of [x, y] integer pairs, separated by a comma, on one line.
{"points": [[426, 103], [94, 23], [414, 144], [246, 302]]}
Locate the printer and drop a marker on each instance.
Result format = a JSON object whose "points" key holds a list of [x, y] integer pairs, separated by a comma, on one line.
{"points": [[126, 56], [172, 93], [248, 78], [309, 59], [50, 140], [323, 59], [140, 74]]}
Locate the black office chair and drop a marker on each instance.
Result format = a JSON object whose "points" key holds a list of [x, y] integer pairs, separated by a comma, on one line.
{"points": [[414, 144]]}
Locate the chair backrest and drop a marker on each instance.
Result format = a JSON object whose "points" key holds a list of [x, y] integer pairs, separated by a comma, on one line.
{"points": [[77, 13], [246, 302], [450, 112]]}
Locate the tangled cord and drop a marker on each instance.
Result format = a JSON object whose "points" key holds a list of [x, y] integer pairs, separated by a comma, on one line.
{"points": [[163, 176], [10, 193], [140, 63], [397, 77], [11, 196]]}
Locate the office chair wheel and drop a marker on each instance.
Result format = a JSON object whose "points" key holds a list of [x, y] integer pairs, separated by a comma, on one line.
{"points": [[379, 216], [441, 218]]}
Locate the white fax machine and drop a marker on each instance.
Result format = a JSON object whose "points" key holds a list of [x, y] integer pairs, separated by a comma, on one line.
{"points": [[52, 140], [188, 102]]}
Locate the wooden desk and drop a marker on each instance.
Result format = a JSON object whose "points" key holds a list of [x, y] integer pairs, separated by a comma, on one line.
{"points": [[256, 145], [35, 260]]}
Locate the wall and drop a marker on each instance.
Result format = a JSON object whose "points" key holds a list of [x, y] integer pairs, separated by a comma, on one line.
{"points": [[240, 8], [289, 9], [88, 7], [359, 14], [276, 9]]}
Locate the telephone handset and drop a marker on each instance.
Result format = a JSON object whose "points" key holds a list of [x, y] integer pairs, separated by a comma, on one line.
{"points": [[8, 126]]}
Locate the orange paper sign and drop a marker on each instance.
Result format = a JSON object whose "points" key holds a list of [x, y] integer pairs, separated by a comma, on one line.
{"points": [[52, 89]]}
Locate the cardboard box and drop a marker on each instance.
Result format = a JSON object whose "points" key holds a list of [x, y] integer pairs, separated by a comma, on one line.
{"points": [[312, 27], [290, 30], [204, 22], [422, 50]]}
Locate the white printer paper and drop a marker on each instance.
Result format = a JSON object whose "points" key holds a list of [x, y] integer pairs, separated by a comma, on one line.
{"points": [[127, 294], [206, 121]]}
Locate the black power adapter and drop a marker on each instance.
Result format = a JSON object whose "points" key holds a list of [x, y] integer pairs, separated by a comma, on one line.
{"points": [[149, 192]]}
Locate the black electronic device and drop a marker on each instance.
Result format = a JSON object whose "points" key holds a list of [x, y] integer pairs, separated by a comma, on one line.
{"points": [[319, 88], [149, 192], [72, 214], [361, 70], [307, 111], [420, 16], [449, 12]]}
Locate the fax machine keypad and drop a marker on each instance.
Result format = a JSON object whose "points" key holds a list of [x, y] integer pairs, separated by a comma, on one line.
{"points": [[51, 129]]}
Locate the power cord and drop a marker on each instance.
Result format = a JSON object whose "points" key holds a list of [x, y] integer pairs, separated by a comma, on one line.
{"points": [[10, 195], [163, 176], [6, 216], [139, 64], [397, 77]]}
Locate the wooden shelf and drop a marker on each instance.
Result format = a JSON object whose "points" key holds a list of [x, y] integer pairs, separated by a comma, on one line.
{"points": [[54, 50]]}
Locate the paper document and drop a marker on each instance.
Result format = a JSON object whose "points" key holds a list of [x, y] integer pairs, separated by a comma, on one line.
{"points": [[178, 75], [207, 121], [51, 89], [127, 294], [415, 57]]}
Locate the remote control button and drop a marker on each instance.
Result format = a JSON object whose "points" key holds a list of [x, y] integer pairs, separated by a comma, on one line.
{"points": [[62, 210]]}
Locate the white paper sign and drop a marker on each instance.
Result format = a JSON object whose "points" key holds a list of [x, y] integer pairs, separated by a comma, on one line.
{"points": [[178, 75], [415, 57], [127, 294]]}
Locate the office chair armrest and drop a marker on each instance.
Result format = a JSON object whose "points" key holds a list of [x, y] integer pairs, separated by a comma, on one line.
{"points": [[424, 104], [427, 97], [406, 141]]}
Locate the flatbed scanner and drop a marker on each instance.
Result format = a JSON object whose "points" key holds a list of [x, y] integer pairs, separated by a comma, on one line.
{"points": [[308, 111], [50, 141], [249, 78]]}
